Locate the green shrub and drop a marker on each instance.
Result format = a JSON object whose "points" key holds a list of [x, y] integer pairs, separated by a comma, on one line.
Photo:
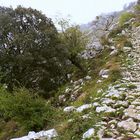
{"points": [[114, 32], [125, 17], [104, 41], [30, 111], [137, 8], [128, 43]]}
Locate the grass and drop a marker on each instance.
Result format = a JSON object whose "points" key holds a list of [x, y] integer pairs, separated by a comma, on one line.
{"points": [[74, 130]]}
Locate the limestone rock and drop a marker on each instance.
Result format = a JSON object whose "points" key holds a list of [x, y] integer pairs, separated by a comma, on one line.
{"points": [[128, 125], [133, 113], [105, 109], [104, 73], [69, 109], [83, 107], [89, 133], [114, 52], [39, 135]]}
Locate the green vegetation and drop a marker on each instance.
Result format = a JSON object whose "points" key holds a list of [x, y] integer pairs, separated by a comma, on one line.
{"points": [[35, 61], [21, 112], [125, 17], [29, 110], [33, 54]]}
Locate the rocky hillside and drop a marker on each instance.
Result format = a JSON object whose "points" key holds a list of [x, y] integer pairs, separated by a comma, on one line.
{"points": [[105, 104]]}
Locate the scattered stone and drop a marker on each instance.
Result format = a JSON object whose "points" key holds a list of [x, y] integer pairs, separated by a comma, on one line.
{"points": [[114, 52], [99, 81], [137, 133], [69, 109], [133, 113], [108, 101], [96, 104], [83, 107], [121, 103], [104, 73], [89, 133], [88, 78], [128, 125], [105, 109]]}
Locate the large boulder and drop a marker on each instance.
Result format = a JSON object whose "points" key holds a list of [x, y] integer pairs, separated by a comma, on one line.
{"points": [[96, 45], [128, 125], [48, 135]]}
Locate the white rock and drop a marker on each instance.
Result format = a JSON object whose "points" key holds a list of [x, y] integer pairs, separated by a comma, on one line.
{"points": [[95, 104], [100, 90], [88, 78], [108, 101], [99, 81], [105, 76], [123, 32], [67, 90], [42, 134], [31, 134], [97, 46], [133, 113], [83, 107], [128, 125], [114, 52], [113, 93], [69, 109], [121, 103], [105, 109], [137, 132], [89, 133], [104, 73], [22, 138], [113, 48]]}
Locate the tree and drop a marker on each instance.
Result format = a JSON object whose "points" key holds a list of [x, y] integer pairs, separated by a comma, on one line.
{"points": [[29, 47], [74, 42]]}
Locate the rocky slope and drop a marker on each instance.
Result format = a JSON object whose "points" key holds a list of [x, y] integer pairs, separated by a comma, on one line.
{"points": [[122, 101], [103, 105]]}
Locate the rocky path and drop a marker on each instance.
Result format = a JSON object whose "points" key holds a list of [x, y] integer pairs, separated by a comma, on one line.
{"points": [[121, 104]]}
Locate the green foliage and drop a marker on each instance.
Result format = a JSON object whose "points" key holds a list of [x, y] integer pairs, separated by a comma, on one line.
{"points": [[79, 126], [114, 32], [131, 86], [74, 42], [137, 8], [125, 17], [104, 41], [123, 41], [31, 54], [137, 14], [30, 111]]}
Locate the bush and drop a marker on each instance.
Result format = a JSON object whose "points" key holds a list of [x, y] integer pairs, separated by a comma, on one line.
{"points": [[104, 41], [114, 32], [125, 17], [29, 110]]}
